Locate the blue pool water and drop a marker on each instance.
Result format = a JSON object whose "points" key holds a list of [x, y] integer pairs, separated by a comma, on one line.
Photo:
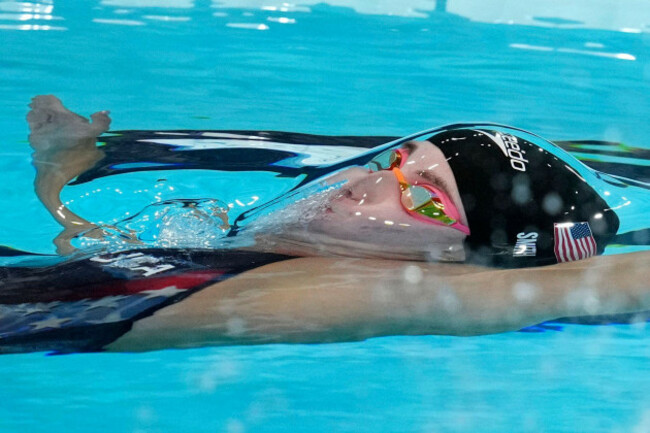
{"points": [[337, 67]]}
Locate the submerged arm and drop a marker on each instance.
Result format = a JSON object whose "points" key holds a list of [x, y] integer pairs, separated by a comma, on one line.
{"points": [[324, 300], [64, 146]]}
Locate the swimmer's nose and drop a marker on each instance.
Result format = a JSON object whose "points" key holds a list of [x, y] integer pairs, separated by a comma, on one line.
{"points": [[377, 186]]}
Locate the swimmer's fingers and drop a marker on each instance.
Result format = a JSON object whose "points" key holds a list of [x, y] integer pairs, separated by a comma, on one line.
{"points": [[49, 118], [48, 111], [41, 113], [41, 101], [44, 102], [101, 121]]}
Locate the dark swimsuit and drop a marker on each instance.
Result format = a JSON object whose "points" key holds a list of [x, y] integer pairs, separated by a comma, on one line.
{"points": [[86, 304]]}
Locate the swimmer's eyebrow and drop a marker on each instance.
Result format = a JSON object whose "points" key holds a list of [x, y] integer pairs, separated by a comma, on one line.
{"points": [[435, 180], [429, 175], [410, 146]]}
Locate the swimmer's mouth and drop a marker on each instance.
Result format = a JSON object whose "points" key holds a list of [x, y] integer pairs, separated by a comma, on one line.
{"points": [[347, 194]]}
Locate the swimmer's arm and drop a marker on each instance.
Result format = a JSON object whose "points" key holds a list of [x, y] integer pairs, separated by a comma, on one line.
{"points": [[64, 146], [508, 300], [314, 300]]}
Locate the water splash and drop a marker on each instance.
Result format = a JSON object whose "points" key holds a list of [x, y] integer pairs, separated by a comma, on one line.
{"points": [[178, 223]]}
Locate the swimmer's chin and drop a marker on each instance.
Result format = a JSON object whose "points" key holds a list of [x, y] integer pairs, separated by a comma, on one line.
{"points": [[327, 246]]}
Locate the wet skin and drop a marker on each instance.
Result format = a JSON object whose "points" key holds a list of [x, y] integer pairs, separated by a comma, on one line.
{"points": [[365, 216], [318, 299], [64, 146]]}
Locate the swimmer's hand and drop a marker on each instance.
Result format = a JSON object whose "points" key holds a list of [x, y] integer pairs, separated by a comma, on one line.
{"points": [[64, 146], [54, 127]]}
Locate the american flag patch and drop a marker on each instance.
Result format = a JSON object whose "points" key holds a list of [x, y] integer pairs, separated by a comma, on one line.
{"points": [[573, 241]]}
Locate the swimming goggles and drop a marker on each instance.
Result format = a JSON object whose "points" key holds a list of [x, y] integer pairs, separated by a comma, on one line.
{"points": [[424, 202]]}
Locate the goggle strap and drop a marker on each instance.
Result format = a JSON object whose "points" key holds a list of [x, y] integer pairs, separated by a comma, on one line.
{"points": [[400, 178]]}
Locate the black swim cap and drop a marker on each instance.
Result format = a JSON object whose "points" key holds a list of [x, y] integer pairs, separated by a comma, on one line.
{"points": [[519, 191]]}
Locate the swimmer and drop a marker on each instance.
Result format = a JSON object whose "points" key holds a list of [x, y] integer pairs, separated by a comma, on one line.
{"points": [[462, 230]]}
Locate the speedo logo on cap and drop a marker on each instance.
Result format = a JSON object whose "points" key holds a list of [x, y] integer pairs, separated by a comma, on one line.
{"points": [[509, 145]]}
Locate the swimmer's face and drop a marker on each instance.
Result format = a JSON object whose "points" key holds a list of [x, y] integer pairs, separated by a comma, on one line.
{"points": [[367, 213]]}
